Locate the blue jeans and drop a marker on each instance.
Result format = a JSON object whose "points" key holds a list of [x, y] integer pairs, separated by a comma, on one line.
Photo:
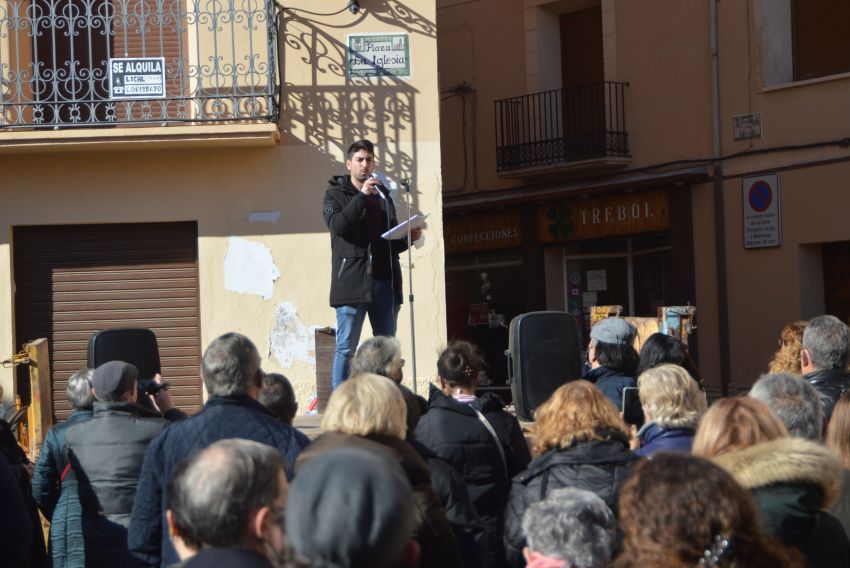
{"points": [[383, 312]]}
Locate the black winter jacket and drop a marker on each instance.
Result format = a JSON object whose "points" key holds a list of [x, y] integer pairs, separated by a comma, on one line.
{"points": [[794, 482], [36, 556], [830, 384], [351, 258], [222, 417], [452, 430], [452, 491], [599, 466], [106, 454]]}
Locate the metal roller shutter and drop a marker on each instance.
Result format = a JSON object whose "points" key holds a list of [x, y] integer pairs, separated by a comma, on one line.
{"points": [[73, 280]]}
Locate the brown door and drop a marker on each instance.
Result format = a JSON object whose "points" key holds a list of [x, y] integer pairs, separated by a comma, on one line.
{"points": [[73, 280], [582, 74], [71, 67], [836, 279]]}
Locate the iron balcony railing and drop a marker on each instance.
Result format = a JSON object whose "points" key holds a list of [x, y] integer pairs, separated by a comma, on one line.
{"points": [[216, 62], [561, 126]]}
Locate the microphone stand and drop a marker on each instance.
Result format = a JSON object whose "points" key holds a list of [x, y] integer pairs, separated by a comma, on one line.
{"points": [[405, 183]]}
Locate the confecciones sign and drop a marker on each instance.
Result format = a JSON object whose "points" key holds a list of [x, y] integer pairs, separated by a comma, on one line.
{"points": [[488, 231]]}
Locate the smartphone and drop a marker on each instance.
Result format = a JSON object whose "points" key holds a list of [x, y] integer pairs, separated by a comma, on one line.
{"points": [[632, 408]]}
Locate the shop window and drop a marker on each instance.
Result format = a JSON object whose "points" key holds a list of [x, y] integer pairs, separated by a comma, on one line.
{"points": [[821, 42], [483, 294]]}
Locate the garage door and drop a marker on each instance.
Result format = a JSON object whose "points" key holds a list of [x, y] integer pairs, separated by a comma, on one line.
{"points": [[73, 280]]}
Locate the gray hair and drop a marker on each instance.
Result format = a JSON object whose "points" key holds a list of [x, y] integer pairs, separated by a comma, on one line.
{"points": [[379, 355], [231, 364], [794, 401], [572, 525], [827, 339], [213, 494], [80, 396]]}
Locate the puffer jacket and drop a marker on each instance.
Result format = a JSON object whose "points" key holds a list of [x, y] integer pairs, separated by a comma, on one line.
{"points": [[654, 438], [58, 499], [438, 543], [599, 466], [222, 417], [794, 481], [351, 258], [611, 383], [452, 430]]}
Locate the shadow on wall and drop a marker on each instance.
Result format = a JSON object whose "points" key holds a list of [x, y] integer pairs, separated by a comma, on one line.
{"points": [[328, 118]]}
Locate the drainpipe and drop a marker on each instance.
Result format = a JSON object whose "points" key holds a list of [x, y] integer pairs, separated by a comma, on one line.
{"points": [[719, 210]]}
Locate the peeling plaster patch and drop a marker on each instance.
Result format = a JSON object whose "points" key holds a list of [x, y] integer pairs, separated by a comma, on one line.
{"points": [[249, 268], [264, 216], [291, 341]]}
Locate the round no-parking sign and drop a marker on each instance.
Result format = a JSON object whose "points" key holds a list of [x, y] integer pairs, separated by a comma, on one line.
{"points": [[761, 196], [762, 215]]}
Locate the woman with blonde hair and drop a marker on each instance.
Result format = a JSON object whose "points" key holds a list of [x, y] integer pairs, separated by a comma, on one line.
{"points": [[794, 481], [580, 441], [838, 440], [672, 404], [787, 357], [369, 411], [734, 424]]}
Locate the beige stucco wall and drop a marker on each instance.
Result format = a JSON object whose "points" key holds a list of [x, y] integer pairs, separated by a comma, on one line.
{"points": [[769, 288], [322, 112]]}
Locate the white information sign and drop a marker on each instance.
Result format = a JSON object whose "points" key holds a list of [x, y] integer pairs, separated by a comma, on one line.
{"points": [[597, 280], [378, 55], [137, 78], [762, 212]]}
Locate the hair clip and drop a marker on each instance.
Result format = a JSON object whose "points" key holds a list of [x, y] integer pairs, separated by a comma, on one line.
{"points": [[715, 553], [467, 370]]}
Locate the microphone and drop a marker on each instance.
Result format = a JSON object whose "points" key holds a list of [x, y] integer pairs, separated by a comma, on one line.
{"points": [[380, 185]]}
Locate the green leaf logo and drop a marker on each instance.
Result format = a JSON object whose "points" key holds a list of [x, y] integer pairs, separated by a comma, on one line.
{"points": [[561, 226]]}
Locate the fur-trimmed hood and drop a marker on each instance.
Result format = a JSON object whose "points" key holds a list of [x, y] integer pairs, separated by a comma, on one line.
{"points": [[786, 460]]}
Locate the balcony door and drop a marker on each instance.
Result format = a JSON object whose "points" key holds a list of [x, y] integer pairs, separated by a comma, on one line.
{"points": [[73, 42], [583, 76], [70, 54]]}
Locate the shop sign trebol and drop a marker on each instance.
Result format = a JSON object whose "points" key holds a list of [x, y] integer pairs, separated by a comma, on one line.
{"points": [[608, 216], [378, 55]]}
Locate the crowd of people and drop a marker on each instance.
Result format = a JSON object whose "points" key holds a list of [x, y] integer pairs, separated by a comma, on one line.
{"points": [[396, 480]]}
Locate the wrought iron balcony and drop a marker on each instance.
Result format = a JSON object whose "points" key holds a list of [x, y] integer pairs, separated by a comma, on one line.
{"points": [[561, 126], [60, 62]]}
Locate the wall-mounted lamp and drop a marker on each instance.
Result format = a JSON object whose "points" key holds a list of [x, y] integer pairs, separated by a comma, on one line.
{"points": [[353, 6]]}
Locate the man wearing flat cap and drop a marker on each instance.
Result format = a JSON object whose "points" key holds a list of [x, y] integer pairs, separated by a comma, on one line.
{"points": [[105, 455], [612, 357]]}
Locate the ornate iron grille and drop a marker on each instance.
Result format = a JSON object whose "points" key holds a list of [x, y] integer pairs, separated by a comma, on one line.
{"points": [[561, 126], [219, 61]]}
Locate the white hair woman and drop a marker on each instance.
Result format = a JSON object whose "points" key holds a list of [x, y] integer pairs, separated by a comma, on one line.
{"points": [[368, 411], [672, 404]]}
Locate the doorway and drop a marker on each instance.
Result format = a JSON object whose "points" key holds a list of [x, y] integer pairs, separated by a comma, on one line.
{"points": [[634, 273], [583, 76]]}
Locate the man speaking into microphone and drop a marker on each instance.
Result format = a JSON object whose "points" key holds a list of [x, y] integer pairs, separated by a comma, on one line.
{"points": [[365, 271]]}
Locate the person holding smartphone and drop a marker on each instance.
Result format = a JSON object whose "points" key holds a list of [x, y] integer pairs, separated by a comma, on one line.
{"points": [[612, 357]]}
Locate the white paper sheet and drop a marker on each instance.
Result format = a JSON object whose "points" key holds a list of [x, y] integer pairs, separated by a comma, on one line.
{"points": [[400, 230]]}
